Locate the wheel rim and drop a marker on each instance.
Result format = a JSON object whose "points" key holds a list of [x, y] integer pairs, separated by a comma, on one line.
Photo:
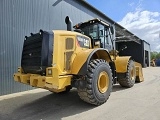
{"points": [[132, 74], [103, 82]]}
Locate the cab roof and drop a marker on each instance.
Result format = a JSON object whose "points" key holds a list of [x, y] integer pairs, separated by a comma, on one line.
{"points": [[90, 22]]}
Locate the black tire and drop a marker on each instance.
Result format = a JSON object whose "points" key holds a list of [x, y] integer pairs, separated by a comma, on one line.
{"points": [[130, 77], [98, 83]]}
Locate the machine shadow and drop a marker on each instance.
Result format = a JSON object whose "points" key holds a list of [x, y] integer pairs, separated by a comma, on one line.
{"points": [[52, 106], [118, 87], [47, 105]]}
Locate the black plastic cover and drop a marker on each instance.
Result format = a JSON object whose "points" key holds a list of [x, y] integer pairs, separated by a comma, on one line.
{"points": [[37, 53]]}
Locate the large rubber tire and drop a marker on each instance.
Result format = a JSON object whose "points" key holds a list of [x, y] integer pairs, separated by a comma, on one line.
{"points": [[98, 83], [130, 76]]}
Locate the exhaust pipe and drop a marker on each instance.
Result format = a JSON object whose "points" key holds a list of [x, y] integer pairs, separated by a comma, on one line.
{"points": [[69, 23]]}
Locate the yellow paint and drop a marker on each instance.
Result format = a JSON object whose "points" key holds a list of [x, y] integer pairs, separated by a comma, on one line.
{"points": [[60, 77], [56, 90], [102, 54], [56, 82], [133, 73], [121, 64], [23, 78], [79, 60], [103, 82], [139, 73], [59, 60], [82, 57], [53, 82], [64, 81], [37, 81], [121, 67]]}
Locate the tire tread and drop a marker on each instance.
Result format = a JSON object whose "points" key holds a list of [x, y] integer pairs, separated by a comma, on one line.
{"points": [[87, 94]]}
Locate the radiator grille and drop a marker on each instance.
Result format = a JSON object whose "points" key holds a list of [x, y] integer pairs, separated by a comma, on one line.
{"points": [[68, 59], [37, 53], [31, 55], [69, 43]]}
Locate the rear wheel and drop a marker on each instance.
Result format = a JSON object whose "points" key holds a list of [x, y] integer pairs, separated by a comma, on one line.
{"points": [[98, 83], [129, 79]]}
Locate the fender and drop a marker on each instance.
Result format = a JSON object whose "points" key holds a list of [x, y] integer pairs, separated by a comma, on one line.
{"points": [[121, 64], [139, 73], [81, 61]]}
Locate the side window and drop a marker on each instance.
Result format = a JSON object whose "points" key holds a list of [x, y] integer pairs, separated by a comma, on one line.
{"points": [[108, 43], [102, 35], [93, 32]]}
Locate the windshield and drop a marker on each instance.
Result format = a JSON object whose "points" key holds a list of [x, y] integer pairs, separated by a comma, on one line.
{"points": [[98, 32], [91, 31]]}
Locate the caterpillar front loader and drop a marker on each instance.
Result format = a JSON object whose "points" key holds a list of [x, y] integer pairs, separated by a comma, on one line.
{"points": [[84, 59]]}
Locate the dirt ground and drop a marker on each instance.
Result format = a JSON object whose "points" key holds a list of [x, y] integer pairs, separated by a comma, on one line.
{"points": [[141, 102]]}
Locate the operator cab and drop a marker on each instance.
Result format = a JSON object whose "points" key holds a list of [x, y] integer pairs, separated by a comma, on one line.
{"points": [[98, 31]]}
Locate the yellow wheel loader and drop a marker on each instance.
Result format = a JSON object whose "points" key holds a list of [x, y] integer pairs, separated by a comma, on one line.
{"points": [[84, 59]]}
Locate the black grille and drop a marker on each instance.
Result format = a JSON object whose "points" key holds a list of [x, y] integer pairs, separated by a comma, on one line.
{"points": [[37, 53]]}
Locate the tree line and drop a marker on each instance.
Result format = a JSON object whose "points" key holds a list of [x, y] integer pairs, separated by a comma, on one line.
{"points": [[155, 55]]}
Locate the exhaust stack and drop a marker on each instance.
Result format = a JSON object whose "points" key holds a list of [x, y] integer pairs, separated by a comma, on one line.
{"points": [[69, 23]]}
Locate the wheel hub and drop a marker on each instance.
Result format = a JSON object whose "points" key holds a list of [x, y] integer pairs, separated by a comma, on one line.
{"points": [[132, 74], [103, 82]]}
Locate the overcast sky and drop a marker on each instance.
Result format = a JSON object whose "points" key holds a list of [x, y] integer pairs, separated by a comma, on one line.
{"points": [[141, 17]]}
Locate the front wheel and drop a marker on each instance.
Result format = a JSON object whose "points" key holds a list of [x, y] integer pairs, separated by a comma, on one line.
{"points": [[130, 76], [98, 83]]}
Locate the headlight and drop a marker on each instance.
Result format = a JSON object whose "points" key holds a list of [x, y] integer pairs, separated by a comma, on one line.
{"points": [[19, 70], [49, 71]]}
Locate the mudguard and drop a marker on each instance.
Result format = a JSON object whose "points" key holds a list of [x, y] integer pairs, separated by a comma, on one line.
{"points": [[81, 61], [139, 73], [121, 64]]}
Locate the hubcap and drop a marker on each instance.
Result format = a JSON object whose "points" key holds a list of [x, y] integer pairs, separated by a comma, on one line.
{"points": [[103, 82], [132, 74]]}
